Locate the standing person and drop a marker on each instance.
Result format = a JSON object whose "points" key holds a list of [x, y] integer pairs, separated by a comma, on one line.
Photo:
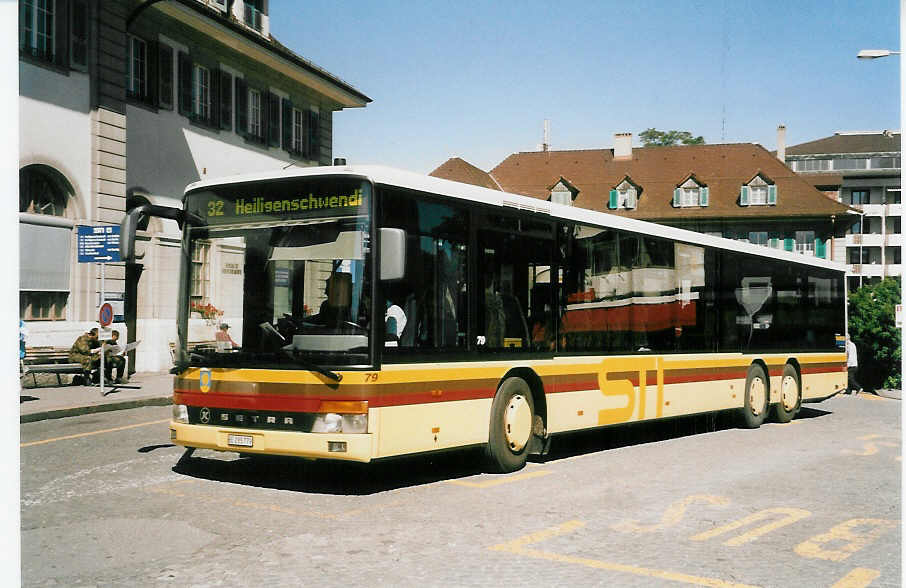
{"points": [[113, 358], [852, 366], [83, 352], [223, 339]]}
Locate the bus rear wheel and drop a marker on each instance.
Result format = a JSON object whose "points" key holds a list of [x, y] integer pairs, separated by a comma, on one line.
{"points": [[790, 395], [512, 415], [755, 406]]}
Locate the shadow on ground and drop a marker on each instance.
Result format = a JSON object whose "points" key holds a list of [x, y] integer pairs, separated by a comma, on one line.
{"points": [[348, 478]]}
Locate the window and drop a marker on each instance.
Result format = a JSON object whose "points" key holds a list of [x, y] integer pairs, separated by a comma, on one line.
{"points": [[200, 292], [37, 28], [296, 145], [758, 192], [805, 242], [137, 75], [254, 114], [43, 306], [562, 194], [885, 162], [201, 93], [850, 163], [253, 11], [165, 65], [893, 196], [625, 195], [690, 193], [78, 39], [860, 197], [804, 165], [758, 237], [434, 294]]}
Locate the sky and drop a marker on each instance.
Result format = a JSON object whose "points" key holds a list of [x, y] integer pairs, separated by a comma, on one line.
{"points": [[477, 79]]}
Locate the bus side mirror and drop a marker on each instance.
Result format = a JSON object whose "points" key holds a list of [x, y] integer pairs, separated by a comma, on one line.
{"points": [[127, 233], [393, 254], [130, 223]]}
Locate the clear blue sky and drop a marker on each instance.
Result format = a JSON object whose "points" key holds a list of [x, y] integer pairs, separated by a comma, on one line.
{"points": [[477, 79]]}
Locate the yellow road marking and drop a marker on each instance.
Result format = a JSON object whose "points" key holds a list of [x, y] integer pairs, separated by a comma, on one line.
{"points": [[674, 514], [857, 533], [505, 480], [518, 546], [790, 516], [857, 578], [88, 434]]}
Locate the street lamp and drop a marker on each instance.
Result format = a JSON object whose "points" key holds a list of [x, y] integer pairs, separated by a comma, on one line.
{"points": [[875, 53]]}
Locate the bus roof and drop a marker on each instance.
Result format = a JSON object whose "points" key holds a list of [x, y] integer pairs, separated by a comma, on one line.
{"points": [[404, 179]]}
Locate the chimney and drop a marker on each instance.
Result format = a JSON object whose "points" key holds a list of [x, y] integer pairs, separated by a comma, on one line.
{"points": [[622, 146], [781, 143]]}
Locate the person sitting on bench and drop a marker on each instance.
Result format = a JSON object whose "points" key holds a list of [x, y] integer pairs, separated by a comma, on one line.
{"points": [[113, 358], [82, 352]]}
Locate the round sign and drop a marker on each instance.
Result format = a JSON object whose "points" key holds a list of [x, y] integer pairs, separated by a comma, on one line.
{"points": [[105, 316]]}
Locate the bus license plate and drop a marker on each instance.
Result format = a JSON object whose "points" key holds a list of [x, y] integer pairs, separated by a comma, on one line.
{"points": [[240, 440]]}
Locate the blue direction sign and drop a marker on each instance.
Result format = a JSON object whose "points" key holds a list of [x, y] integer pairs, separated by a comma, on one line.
{"points": [[99, 244]]}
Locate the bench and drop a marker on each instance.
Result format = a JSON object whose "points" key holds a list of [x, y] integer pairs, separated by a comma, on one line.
{"points": [[47, 360]]}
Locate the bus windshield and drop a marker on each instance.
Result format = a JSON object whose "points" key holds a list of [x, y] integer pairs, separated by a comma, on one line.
{"points": [[290, 285]]}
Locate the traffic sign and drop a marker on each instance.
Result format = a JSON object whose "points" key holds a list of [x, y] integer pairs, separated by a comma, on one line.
{"points": [[105, 316], [99, 244]]}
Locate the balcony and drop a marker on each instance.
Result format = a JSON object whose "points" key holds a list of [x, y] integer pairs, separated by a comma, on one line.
{"points": [[867, 269], [893, 269], [894, 210], [894, 239], [874, 209]]}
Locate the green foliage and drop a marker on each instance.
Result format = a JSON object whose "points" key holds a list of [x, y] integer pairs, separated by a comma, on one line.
{"points": [[656, 138], [872, 328]]}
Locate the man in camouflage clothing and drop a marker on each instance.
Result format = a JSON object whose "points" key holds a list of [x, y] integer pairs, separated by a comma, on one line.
{"points": [[81, 352]]}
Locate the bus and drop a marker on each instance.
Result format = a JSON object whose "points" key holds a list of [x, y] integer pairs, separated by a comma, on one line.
{"points": [[362, 312]]}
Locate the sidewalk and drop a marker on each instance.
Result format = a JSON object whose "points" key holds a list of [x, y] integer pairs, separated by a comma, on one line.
{"points": [[49, 401]]}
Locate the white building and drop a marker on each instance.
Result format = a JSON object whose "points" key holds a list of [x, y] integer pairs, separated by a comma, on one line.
{"points": [[862, 169], [125, 102]]}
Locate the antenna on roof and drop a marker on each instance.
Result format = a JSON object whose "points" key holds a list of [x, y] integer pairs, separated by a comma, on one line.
{"points": [[546, 144]]}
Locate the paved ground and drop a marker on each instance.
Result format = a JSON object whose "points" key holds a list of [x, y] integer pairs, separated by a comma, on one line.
{"points": [[48, 400]]}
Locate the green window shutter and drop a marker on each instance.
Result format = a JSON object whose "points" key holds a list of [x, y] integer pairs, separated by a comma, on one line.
{"points": [[184, 79], [772, 194], [819, 248], [676, 197], [613, 200], [242, 105], [704, 196], [287, 124], [226, 100], [744, 196], [787, 244]]}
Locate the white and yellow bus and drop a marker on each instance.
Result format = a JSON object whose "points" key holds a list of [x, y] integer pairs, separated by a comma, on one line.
{"points": [[376, 313]]}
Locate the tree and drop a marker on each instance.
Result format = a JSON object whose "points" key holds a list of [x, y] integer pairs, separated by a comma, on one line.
{"points": [[656, 138], [872, 328]]}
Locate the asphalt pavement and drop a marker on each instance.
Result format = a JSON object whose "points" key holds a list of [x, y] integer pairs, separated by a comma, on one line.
{"points": [[42, 398]]}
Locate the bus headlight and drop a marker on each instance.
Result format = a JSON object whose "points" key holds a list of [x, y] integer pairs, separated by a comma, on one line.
{"points": [[181, 413], [332, 422]]}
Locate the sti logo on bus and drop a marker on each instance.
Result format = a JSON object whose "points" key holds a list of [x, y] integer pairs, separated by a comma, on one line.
{"points": [[204, 379]]}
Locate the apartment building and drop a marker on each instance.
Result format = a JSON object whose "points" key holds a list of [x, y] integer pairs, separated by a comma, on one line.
{"points": [[737, 191], [125, 102], [861, 169]]}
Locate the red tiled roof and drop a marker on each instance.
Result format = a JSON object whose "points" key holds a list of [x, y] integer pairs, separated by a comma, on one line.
{"points": [[459, 170], [658, 170]]}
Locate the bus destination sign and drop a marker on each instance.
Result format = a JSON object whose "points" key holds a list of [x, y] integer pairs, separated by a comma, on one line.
{"points": [[217, 208]]}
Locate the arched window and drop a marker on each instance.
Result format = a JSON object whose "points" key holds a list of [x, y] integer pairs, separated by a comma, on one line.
{"points": [[42, 191]]}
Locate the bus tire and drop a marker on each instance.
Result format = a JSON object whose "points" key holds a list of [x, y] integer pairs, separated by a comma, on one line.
{"points": [[790, 395], [512, 416], [755, 405]]}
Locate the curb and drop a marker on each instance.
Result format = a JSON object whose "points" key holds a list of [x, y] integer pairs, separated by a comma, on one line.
{"points": [[90, 409]]}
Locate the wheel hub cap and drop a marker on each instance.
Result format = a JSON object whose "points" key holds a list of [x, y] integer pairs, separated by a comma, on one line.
{"points": [[789, 392], [757, 396], [517, 422]]}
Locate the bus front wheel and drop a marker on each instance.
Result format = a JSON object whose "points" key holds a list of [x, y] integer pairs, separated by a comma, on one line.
{"points": [[512, 415], [790, 395], [755, 406]]}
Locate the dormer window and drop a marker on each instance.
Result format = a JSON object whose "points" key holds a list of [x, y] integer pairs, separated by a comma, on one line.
{"points": [[563, 193], [624, 196], [690, 193], [760, 191]]}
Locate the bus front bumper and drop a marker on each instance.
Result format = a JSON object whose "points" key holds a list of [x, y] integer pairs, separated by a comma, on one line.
{"points": [[350, 447]]}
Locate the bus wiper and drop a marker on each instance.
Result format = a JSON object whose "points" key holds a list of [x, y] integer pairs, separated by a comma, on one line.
{"points": [[293, 354]]}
